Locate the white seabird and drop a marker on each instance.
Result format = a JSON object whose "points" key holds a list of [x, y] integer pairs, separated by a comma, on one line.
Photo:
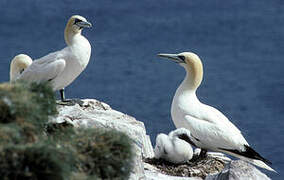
{"points": [[172, 148], [209, 128], [18, 64], [62, 67]]}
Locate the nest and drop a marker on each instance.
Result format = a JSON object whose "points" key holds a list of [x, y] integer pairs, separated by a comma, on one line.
{"points": [[193, 168]]}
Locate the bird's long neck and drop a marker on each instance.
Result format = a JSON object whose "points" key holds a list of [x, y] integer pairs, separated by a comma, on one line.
{"points": [[194, 76], [69, 34], [18, 65]]}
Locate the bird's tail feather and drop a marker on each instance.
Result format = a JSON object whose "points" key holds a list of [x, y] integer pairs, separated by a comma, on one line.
{"points": [[261, 164], [256, 162]]}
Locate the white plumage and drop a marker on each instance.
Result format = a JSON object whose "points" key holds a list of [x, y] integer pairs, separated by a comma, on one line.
{"points": [[62, 67], [172, 148], [18, 64], [209, 128]]}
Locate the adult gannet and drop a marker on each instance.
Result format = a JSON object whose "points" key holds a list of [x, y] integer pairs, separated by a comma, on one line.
{"points": [[209, 128], [172, 148], [18, 64], [62, 67]]}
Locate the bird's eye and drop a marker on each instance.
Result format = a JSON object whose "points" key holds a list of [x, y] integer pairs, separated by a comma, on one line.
{"points": [[181, 57], [77, 20]]}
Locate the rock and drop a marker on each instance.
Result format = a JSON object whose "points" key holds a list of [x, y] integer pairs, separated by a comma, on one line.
{"points": [[238, 170], [95, 114]]}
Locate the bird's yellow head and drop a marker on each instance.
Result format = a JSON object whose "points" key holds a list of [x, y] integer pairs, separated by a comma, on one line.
{"points": [[74, 26], [76, 23], [185, 59], [192, 64]]}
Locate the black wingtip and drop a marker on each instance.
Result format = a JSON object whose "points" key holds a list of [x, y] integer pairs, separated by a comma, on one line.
{"points": [[249, 153], [255, 155]]}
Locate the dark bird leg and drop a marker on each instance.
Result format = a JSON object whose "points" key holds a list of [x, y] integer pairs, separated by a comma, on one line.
{"points": [[68, 102], [62, 94], [203, 153]]}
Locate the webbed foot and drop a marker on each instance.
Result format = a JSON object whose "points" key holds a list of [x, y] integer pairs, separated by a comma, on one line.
{"points": [[70, 102]]}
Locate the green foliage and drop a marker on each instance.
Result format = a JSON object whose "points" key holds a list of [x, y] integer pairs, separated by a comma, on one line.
{"points": [[19, 133], [56, 129], [25, 152], [104, 153], [44, 95], [10, 134], [29, 102], [32, 149], [100, 153], [37, 161]]}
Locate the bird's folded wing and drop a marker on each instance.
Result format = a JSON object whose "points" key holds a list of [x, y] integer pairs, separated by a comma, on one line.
{"points": [[215, 133], [40, 71]]}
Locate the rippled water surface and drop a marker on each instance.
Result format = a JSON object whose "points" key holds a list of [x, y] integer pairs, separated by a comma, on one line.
{"points": [[240, 42]]}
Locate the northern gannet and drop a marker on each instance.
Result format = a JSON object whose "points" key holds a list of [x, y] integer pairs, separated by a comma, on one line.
{"points": [[172, 148], [18, 64], [209, 128], [62, 67]]}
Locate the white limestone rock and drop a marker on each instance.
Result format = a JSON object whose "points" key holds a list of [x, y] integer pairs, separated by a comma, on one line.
{"points": [[238, 170], [96, 114]]}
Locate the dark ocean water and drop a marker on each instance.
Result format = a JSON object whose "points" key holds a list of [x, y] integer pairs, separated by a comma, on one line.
{"points": [[240, 42]]}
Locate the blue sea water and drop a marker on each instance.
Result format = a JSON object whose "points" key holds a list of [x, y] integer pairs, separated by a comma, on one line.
{"points": [[240, 42]]}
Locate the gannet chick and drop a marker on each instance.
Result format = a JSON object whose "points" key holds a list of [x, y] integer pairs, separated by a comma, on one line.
{"points": [[210, 129], [172, 148], [18, 64], [62, 67]]}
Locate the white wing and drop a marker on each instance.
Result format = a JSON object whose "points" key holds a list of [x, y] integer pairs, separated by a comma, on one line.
{"points": [[214, 131], [45, 68]]}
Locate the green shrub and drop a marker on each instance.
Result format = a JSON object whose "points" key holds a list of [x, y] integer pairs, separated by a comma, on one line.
{"points": [[34, 162], [99, 153], [19, 133], [56, 130], [104, 153], [24, 110], [44, 96], [10, 134], [22, 101], [62, 152]]}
